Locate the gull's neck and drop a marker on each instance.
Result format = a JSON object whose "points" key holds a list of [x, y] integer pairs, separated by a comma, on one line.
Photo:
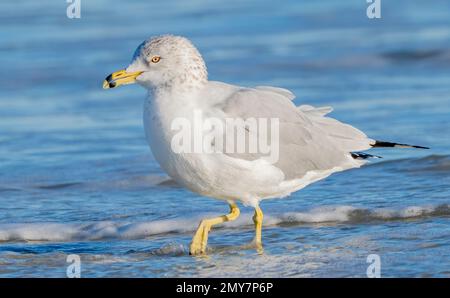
{"points": [[163, 103], [178, 87]]}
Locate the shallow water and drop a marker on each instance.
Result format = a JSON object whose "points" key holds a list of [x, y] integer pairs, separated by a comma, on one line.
{"points": [[77, 177]]}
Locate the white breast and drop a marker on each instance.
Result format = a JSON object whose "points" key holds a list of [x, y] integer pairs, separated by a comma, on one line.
{"points": [[187, 169], [215, 175]]}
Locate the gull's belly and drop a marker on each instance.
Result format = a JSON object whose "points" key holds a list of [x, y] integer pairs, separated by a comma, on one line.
{"points": [[188, 169], [207, 174], [213, 175]]}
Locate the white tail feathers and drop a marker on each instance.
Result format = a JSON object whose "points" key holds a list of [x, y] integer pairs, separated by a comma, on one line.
{"points": [[310, 110]]}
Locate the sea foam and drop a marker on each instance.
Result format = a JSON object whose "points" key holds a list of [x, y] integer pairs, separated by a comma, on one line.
{"points": [[61, 232]]}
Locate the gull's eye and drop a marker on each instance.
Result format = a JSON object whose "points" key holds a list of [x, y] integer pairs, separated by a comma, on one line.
{"points": [[155, 59]]}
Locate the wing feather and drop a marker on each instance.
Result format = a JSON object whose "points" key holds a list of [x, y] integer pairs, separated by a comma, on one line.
{"points": [[308, 141]]}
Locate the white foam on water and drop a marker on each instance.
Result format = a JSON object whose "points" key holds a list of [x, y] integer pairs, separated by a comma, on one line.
{"points": [[60, 232], [318, 215]]}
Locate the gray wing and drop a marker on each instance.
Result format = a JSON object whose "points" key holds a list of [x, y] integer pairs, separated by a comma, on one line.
{"points": [[308, 141]]}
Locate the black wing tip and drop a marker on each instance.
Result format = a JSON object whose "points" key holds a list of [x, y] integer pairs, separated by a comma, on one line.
{"points": [[382, 144], [362, 155], [421, 147]]}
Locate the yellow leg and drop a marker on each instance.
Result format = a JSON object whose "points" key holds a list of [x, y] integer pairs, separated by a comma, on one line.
{"points": [[258, 219], [200, 239]]}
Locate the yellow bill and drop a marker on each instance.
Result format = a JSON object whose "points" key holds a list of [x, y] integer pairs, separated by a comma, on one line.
{"points": [[120, 77]]}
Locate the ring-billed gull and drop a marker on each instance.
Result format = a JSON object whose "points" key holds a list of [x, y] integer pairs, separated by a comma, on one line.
{"points": [[310, 145]]}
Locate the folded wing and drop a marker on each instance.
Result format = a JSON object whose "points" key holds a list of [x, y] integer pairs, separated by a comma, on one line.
{"points": [[308, 140]]}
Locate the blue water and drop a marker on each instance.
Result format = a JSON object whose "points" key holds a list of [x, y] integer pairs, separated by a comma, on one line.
{"points": [[77, 177]]}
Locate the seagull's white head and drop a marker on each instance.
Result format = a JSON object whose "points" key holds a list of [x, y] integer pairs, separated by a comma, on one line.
{"points": [[162, 62]]}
